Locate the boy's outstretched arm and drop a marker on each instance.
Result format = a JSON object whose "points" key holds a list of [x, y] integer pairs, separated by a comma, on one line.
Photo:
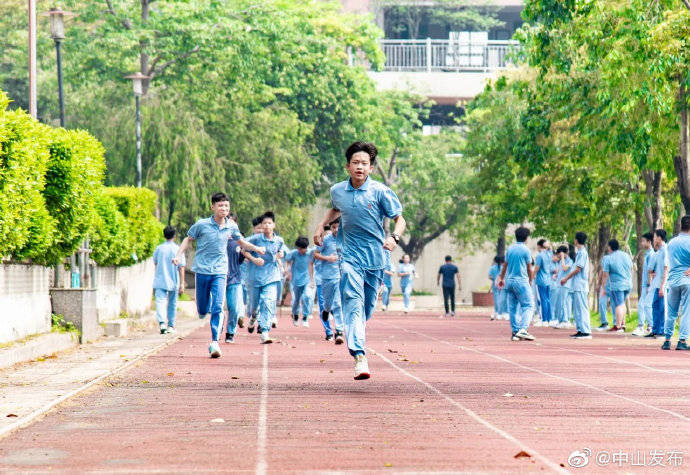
{"points": [[183, 247], [251, 247], [400, 225], [330, 216]]}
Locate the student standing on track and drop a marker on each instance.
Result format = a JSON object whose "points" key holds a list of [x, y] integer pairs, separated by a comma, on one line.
{"points": [[659, 272], [604, 296], [387, 287], [211, 261], [678, 287], [329, 255], [167, 281], [542, 271], [561, 292], [407, 273], [362, 205], [618, 270], [516, 278], [267, 277], [644, 306], [580, 288], [500, 310], [450, 273]]}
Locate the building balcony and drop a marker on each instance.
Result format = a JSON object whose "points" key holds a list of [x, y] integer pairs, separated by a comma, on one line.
{"points": [[432, 55]]}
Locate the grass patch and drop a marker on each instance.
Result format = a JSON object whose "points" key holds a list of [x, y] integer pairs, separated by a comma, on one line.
{"points": [[59, 324]]}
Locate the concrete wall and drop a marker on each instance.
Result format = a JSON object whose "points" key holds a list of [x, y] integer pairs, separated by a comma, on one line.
{"points": [[124, 289], [24, 301]]}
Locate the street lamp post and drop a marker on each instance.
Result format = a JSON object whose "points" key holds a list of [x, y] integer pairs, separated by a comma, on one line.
{"points": [[137, 83], [57, 33]]}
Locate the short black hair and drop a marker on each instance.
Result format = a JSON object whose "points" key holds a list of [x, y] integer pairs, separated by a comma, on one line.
{"points": [[169, 232], [335, 221], [302, 242], [256, 221], [685, 223], [220, 196], [448, 258], [541, 242], [661, 233], [581, 237], [270, 215], [498, 260], [648, 236], [521, 234], [563, 249], [613, 244], [367, 147], [327, 227]]}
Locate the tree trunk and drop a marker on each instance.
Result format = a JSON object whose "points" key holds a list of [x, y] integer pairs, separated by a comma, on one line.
{"points": [[654, 205], [501, 243], [681, 162], [598, 249], [171, 210]]}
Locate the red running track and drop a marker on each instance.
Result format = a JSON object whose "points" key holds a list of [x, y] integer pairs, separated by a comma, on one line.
{"points": [[445, 395]]}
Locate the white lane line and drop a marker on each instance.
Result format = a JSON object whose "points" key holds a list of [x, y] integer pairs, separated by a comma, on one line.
{"points": [[262, 427], [544, 373], [30, 418], [557, 468]]}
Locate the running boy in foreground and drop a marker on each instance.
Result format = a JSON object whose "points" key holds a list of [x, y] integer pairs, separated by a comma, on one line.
{"points": [[362, 204]]}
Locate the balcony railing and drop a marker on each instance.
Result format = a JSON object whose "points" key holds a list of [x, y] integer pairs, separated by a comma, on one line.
{"points": [[446, 55]]}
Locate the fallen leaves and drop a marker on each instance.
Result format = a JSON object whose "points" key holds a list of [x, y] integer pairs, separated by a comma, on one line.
{"points": [[522, 455], [12, 415]]}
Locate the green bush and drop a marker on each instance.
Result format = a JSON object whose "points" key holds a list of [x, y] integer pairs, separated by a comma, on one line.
{"points": [[23, 159], [138, 206], [74, 179], [110, 234]]}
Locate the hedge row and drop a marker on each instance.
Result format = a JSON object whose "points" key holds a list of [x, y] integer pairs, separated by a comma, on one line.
{"points": [[52, 196]]}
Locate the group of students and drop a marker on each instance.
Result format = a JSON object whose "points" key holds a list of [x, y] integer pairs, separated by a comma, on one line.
{"points": [[557, 283], [345, 270]]}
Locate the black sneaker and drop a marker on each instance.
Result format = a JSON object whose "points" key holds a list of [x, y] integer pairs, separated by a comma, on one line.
{"points": [[583, 336], [329, 337], [576, 335], [603, 327], [229, 338], [240, 322], [324, 315], [252, 322], [274, 324], [339, 340], [259, 330], [650, 335], [295, 320], [164, 330], [682, 345], [667, 345]]}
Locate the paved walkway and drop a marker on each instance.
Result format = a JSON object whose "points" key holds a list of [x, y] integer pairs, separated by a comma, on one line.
{"points": [[446, 395]]}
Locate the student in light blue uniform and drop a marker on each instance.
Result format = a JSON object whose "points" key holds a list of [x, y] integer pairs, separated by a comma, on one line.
{"points": [[252, 264], [387, 288], [301, 272], [167, 281], [319, 293], [406, 272], [516, 278], [211, 262], [542, 270], [499, 294], [644, 304], [580, 288], [678, 261], [329, 254], [604, 297], [562, 300], [618, 270], [268, 275], [362, 205], [659, 273]]}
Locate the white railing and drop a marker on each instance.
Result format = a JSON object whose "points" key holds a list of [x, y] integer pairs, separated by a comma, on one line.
{"points": [[446, 55]]}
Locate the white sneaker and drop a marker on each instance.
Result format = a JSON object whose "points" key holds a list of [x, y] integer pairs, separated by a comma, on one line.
{"points": [[384, 308], [295, 322], [305, 323], [523, 335], [506, 316], [493, 316], [171, 330], [407, 311], [639, 331], [361, 367], [214, 350], [553, 324], [265, 338], [562, 325]]}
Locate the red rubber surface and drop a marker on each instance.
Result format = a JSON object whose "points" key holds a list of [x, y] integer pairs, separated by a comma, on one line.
{"points": [[437, 401]]}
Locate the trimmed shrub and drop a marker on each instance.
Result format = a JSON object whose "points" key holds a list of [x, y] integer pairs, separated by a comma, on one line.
{"points": [[110, 234], [26, 230], [138, 206]]}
